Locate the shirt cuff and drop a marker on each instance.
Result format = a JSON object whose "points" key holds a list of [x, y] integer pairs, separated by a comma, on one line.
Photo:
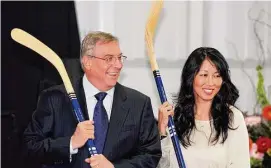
{"points": [[72, 151]]}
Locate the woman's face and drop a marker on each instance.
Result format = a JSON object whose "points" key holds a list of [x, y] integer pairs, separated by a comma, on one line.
{"points": [[207, 82]]}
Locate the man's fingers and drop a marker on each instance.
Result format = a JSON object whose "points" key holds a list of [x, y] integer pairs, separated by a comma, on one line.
{"points": [[94, 163], [87, 160], [88, 132], [88, 126], [89, 136], [94, 160], [88, 122]]}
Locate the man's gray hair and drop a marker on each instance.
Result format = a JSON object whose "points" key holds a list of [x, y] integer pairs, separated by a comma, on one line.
{"points": [[91, 39]]}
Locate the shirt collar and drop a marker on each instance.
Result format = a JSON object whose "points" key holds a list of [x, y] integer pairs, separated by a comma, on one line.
{"points": [[91, 91]]}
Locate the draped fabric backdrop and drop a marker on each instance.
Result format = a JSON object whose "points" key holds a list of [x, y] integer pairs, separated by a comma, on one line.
{"points": [[25, 73], [183, 26]]}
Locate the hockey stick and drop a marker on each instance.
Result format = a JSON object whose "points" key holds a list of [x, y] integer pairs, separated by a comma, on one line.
{"points": [[34, 44], [149, 34]]}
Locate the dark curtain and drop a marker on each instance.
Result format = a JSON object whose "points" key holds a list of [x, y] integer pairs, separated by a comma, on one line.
{"points": [[25, 73]]}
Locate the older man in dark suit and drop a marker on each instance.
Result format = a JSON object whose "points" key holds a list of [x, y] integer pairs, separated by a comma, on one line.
{"points": [[119, 119]]}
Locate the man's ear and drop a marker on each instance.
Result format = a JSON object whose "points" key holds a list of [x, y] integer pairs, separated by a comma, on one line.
{"points": [[87, 62]]}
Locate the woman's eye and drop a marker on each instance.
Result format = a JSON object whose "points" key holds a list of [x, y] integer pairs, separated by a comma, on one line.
{"points": [[204, 75]]}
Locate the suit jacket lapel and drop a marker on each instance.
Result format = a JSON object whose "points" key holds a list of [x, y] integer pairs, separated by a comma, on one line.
{"points": [[80, 94], [120, 110]]}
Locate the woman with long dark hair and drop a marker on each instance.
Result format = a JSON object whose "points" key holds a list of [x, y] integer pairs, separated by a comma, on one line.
{"points": [[212, 132]]}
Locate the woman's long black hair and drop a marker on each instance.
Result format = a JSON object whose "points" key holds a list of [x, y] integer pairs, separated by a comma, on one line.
{"points": [[221, 114]]}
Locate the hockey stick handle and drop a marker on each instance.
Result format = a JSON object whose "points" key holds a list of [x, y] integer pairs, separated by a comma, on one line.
{"points": [[171, 127]]}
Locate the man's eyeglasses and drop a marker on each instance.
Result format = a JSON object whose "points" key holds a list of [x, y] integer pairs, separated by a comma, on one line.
{"points": [[110, 60]]}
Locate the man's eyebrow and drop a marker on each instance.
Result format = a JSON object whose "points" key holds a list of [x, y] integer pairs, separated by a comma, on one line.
{"points": [[110, 55]]}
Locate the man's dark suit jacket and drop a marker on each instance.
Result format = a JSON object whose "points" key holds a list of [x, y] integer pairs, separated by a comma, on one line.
{"points": [[132, 137]]}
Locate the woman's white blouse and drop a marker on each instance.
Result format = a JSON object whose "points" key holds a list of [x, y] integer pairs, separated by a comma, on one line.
{"points": [[234, 153]]}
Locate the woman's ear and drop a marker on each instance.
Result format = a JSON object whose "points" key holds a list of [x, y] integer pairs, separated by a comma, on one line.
{"points": [[87, 62]]}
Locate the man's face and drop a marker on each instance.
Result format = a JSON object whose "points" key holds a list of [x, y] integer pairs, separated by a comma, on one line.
{"points": [[101, 74]]}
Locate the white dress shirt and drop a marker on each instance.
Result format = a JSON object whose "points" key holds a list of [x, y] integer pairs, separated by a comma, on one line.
{"points": [[90, 92]]}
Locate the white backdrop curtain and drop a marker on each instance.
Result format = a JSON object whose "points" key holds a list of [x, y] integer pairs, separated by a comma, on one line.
{"points": [[228, 26]]}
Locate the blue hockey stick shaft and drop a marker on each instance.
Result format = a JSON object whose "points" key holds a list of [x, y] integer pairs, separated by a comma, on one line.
{"points": [[171, 127]]}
